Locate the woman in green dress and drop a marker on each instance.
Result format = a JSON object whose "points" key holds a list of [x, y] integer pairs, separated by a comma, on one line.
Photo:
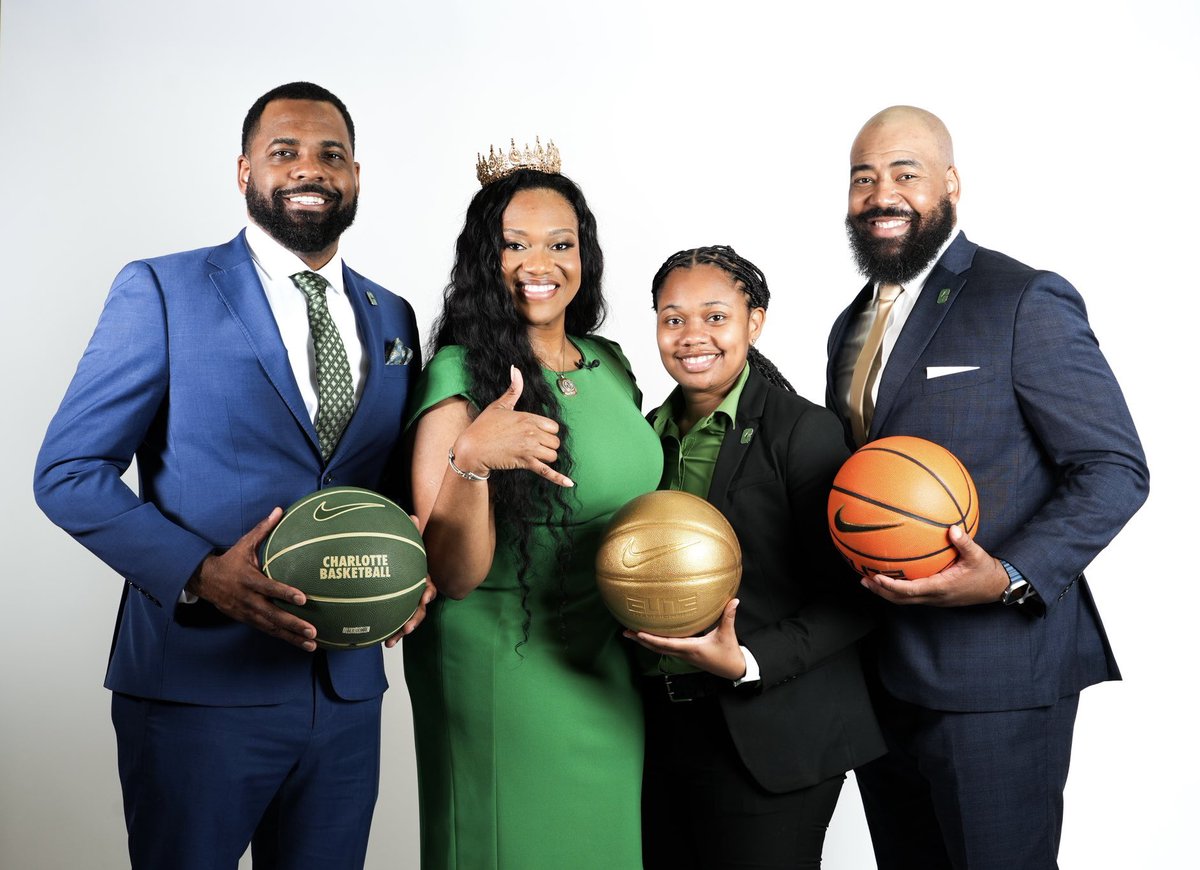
{"points": [[527, 436]]}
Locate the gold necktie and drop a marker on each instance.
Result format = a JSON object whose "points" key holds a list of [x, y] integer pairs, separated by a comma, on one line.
{"points": [[862, 408]]}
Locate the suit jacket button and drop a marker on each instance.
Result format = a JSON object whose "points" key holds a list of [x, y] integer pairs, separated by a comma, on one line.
{"points": [[328, 479]]}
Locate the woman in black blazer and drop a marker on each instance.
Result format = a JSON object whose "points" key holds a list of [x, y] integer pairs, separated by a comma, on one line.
{"points": [[751, 726]]}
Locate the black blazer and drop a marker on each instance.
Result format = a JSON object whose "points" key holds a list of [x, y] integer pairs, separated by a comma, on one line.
{"points": [[801, 612]]}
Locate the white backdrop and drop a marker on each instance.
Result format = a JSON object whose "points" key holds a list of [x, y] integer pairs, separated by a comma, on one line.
{"points": [[686, 124]]}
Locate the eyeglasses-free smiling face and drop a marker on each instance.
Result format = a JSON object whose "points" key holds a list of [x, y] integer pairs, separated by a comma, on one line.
{"points": [[540, 258], [903, 192], [705, 329], [300, 178]]}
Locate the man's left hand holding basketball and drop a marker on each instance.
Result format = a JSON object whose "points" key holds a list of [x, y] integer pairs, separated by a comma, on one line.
{"points": [[417, 618], [409, 627], [975, 577]]}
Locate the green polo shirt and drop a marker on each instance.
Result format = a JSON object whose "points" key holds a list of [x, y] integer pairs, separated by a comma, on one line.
{"points": [[688, 464], [689, 460]]}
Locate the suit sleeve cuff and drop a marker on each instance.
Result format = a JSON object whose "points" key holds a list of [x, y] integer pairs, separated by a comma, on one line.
{"points": [[185, 596]]}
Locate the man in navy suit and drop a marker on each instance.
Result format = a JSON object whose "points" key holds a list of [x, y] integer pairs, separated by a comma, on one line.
{"points": [[231, 726], [978, 669]]}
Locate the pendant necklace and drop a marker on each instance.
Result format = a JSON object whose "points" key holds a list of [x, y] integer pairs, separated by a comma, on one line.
{"points": [[565, 385]]}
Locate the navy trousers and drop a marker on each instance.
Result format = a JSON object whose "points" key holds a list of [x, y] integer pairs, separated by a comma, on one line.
{"points": [[200, 784], [968, 791]]}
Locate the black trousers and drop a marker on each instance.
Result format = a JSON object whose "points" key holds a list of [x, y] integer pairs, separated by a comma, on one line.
{"points": [[701, 808]]}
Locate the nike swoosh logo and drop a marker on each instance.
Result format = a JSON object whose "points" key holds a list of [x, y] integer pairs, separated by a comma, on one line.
{"points": [[844, 526], [323, 514], [632, 557]]}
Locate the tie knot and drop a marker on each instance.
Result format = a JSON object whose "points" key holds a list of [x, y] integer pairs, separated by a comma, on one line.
{"points": [[887, 292], [311, 284]]}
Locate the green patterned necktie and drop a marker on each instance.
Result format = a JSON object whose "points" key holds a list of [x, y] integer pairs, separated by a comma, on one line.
{"points": [[335, 388]]}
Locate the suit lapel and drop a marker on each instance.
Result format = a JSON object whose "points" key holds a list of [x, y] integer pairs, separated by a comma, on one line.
{"points": [[738, 440], [239, 287], [366, 315], [833, 353], [937, 297], [837, 334]]}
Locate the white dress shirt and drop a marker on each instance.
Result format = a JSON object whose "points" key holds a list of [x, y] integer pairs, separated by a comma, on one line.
{"points": [[275, 265]]}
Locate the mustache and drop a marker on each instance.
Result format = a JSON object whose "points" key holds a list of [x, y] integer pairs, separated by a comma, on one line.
{"points": [[331, 195], [881, 212]]}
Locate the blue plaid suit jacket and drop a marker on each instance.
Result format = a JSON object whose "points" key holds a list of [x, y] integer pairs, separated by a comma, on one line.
{"points": [[1044, 430], [187, 371]]}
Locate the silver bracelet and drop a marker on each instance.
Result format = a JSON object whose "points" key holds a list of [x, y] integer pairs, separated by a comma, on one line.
{"points": [[465, 475]]}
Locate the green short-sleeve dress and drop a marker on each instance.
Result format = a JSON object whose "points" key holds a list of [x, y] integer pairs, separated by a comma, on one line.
{"points": [[529, 756]]}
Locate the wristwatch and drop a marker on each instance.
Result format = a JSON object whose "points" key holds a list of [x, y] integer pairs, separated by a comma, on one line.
{"points": [[1019, 590]]}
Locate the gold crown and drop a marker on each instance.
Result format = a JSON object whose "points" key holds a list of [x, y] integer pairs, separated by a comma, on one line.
{"points": [[496, 166]]}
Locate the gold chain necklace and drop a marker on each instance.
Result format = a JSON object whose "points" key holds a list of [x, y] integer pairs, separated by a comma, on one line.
{"points": [[565, 385]]}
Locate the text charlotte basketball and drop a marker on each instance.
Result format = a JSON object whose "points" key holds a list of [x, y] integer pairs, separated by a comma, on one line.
{"points": [[362, 567]]}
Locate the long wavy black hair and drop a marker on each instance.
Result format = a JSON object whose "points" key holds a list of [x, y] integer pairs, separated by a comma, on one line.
{"points": [[479, 314], [748, 278]]}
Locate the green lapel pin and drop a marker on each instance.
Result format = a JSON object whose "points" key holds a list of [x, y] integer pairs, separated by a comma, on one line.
{"points": [[371, 298], [747, 434], [943, 295]]}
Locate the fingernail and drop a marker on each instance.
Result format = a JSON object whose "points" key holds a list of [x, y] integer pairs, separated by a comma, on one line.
{"points": [[512, 372], [569, 481]]}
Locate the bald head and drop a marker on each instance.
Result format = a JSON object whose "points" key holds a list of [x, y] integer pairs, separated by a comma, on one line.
{"points": [[923, 130], [900, 148], [903, 192]]}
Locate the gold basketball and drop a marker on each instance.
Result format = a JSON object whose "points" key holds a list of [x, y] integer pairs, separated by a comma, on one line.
{"points": [[668, 564]]}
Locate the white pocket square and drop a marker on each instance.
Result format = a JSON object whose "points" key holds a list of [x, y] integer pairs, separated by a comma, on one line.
{"points": [[932, 372]]}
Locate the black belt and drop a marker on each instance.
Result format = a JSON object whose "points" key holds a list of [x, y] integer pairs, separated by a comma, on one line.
{"points": [[685, 687]]}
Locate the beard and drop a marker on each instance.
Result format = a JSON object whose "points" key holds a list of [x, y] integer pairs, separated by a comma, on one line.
{"points": [[897, 261], [304, 232]]}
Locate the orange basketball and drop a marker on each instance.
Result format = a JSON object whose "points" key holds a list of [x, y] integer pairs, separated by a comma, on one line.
{"points": [[893, 503], [668, 564]]}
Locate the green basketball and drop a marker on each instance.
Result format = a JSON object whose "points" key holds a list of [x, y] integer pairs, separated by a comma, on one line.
{"points": [[356, 556]]}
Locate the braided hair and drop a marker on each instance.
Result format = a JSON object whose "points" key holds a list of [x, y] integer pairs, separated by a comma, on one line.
{"points": [[748, 278], [479, 314]]}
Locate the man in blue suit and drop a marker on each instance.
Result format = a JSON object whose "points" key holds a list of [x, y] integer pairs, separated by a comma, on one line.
{"points": [[231, 726], [978, 669]]}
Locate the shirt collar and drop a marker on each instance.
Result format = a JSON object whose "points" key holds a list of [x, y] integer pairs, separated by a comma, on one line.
{"points": [[912, 288], [279, 264], [664, 417]]}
